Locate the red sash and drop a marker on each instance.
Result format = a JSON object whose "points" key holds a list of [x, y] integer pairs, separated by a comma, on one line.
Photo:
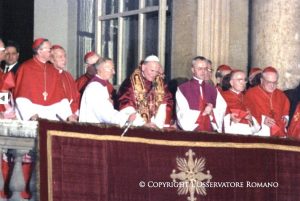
{"points": [[203, 121], [278, 129]]}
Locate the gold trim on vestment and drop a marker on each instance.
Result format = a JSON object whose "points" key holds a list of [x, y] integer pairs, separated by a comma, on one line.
{"points": [[297, 116], [49, 165], [142, 97]]}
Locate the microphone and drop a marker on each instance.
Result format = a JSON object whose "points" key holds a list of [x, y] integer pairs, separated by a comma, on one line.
{"points": [[59, 118], [127, 126]]}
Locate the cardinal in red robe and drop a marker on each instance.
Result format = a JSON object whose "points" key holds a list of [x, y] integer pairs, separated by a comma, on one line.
{"points": [[59, 60], [269, 105], [238, 118], [38, 90]]}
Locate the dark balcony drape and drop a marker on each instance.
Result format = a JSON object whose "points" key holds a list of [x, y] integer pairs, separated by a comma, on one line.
{"points": [[90, 162]]}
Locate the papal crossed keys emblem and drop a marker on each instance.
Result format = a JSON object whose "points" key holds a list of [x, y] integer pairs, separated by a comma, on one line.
{"points": [[191, 175]]}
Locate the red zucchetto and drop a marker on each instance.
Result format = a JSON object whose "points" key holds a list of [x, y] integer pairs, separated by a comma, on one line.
{"points": [[254, 71], [37, 43], [88, 55], [54, 47], [224, 67], [270, 69]]}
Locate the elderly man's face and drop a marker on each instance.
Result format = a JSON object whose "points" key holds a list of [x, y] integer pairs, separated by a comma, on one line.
{"points": [[200, 69], [2, 51], [45, 51], [59, 58], [208, 75], [150, 70], [107, 70], [269, 81], [238, 81]]}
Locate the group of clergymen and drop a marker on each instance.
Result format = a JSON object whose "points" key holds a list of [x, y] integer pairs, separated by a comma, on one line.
{"points": [[43, 88]]}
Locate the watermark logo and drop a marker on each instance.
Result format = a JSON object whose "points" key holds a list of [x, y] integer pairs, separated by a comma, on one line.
{"points": [[3, 98], [191, 172]]}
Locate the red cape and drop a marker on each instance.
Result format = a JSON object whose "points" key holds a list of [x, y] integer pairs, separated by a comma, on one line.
{"points": [[274, 105], [31, 83], [7, 83], [70, 90], [236, 104], [83, 80], [127, 98]]}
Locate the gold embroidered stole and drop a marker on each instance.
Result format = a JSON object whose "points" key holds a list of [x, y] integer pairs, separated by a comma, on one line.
{"points": [[147, 103]]}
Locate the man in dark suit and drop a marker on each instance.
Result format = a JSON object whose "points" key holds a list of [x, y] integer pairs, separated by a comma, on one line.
{"points": [[12, 57]]}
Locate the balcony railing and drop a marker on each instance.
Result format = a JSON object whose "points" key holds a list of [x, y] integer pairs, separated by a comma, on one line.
{"points": [[19, 180], [18, 151]]}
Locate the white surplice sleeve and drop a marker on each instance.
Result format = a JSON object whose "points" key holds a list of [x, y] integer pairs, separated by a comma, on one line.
{"points": [[96, 106], [186, 117]]}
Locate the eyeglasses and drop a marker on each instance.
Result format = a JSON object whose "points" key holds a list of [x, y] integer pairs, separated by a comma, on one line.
{"points": [[201, 68], [109, 69], [270, 82], [45, 49], [241, 80], [2, 49], [210, 70]]}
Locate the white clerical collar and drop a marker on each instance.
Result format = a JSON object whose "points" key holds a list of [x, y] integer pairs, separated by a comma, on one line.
{"points": [[234, 91], [200, 81], [60, 71], [10, 66]]}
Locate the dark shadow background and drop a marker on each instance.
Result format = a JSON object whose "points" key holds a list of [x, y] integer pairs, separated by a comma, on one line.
{"points": [[16, 23]]}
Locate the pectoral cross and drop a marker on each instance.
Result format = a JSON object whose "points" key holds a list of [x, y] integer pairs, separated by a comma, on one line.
{"points": [[45, 94]]}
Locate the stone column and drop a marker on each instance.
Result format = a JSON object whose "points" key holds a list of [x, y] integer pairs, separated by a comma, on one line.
{"points": [[184, 37], [213, 19], [216, 29], [33, 184], [222, 32], [17, 182], [275, 27]]}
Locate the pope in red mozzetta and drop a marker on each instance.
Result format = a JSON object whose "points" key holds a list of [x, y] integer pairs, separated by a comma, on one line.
{"points": [[269, 105], [38, 90], [144, 92]]}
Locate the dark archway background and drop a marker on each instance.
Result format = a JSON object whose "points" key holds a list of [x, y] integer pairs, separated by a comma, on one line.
{"points": [[16, 23]]}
